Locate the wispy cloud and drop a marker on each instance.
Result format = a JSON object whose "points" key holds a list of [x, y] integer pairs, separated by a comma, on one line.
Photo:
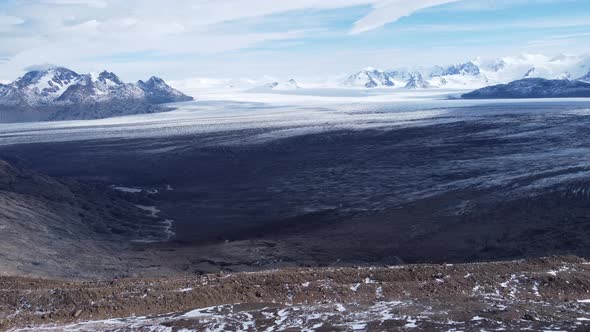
{"points": [[65, 31], [8, 23], [90, 3], [185, 37], [529, 24], [560, 40], [388, 11]]}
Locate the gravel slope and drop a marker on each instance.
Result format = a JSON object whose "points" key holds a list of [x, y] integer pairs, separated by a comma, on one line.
{"points": [[550, 294], [63, 228]]}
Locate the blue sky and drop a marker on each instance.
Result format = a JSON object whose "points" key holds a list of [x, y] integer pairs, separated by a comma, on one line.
{"points": [[180, 39]]}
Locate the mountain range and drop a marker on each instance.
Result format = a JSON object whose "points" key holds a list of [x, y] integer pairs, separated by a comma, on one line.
{"points": [[59, 93], [476, 73], [287, 85], [468, 75]]}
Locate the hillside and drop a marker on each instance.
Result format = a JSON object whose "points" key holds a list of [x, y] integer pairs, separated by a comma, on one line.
{"points": [[532, 88], [63, 228]]}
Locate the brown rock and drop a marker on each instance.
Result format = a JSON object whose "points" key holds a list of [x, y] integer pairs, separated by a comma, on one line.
{"points": [[77, 313]]}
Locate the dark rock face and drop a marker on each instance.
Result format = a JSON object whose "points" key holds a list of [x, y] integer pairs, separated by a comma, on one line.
{"points": [[416, 81], [530, 73], [158, 92], [468, 68], [42, 94], [532, 88], [105, 77], [78, 94]]}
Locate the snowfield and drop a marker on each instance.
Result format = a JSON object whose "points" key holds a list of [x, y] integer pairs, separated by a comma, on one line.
{"points": [[278, 115]]}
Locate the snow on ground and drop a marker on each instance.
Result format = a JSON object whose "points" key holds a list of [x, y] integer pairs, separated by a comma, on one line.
{"points": [[167, 224], [134, 190], [127, 189], [153, 211]]}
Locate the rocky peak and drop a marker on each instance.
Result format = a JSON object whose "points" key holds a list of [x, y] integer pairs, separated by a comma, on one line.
{"points": [[468, 68], [109, 78], [53, 76], [530, 73], [153, 82], [416, 81], [58, 86]]}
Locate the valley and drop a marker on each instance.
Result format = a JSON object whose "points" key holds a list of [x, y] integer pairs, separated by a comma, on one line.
{"points": [[282, 166], [476, 183]]}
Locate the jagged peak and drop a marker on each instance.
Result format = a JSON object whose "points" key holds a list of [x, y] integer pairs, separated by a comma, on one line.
{"points": [[62, 86], [36, 74], [108, 75], [156, 79], [463, 68]]}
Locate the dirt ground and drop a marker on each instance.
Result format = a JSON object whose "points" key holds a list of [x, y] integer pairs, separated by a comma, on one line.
{"points": [[551, 294]]}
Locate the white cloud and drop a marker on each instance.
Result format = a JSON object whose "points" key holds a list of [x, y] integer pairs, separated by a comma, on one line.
{"points": [[561, 41], [9, 23], [90, 3], [71, 32], [388, 11], [183, 38], [42, 66], [528, 24]]}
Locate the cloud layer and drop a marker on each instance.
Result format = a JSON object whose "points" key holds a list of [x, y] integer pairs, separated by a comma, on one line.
{"points": [[65, 31], [176, 38]]}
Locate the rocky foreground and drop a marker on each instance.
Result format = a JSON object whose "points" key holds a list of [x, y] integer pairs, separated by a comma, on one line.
{"points": [[538, 294]]}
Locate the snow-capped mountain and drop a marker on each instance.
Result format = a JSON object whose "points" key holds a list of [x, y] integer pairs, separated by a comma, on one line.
{"points": [[477, 73], [60, 86], [291, 84], [416, 81], [158, 92], [463, 69], [370, 78], [60, 93], [37, 87]]}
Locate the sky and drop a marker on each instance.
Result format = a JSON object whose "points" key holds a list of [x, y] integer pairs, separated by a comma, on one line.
{"points": [[304, 39]]}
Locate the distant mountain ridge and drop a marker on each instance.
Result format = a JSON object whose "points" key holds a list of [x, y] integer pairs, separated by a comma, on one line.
{"points": [[291, 84], [59, 93], [476, 73], [532, 88]]}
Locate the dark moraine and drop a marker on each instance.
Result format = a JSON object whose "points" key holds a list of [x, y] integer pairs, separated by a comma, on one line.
{"points": [[496, 187]]}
